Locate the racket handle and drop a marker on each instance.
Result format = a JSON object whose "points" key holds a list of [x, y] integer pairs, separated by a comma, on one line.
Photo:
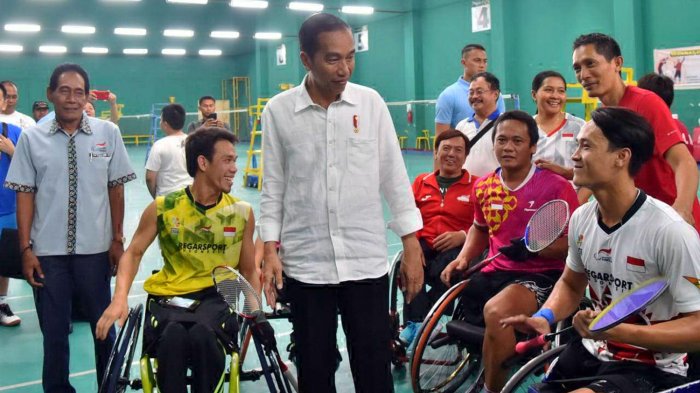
{"points": [[525, 346], [479, 266]]}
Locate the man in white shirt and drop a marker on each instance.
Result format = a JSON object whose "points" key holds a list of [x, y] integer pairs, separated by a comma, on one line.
{"points": [[10, 115], [484, 91], [331, 154], [166, 169], [619, 240]]}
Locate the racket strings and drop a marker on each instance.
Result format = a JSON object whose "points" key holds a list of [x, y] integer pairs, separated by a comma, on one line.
{"points": [[546, 225], [236, 291]]}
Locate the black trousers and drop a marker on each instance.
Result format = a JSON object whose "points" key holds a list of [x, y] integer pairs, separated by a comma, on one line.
{"points": [[364, 311], [88, 277]]}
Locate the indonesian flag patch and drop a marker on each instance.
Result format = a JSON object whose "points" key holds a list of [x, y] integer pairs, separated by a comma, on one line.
{"points": [[636, 265], [229, 231]]}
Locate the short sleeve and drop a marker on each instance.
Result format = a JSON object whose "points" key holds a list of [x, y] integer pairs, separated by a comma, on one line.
{"points": [[444, 108], [153, 163], [666, 131], [120, 170], [478, 212], [501, 104], [21, 177], [573, 259], [678, 256]]}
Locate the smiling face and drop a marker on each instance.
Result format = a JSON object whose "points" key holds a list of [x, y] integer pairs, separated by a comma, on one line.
{"points": [[551, 96], [595, 163], [450, 157], [69, 98], [595, 73], [220, 171], [512, 145], [482, 98], [332, 64]]}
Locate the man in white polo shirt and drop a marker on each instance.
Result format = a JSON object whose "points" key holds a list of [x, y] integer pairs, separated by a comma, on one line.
{"points": [[331, 154], [10, 114]]}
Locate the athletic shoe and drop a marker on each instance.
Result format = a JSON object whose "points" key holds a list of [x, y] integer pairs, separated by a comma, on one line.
{"points": [[7, 317], [409, 332]]}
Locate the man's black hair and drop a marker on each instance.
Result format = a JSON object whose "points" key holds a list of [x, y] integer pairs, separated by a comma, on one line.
{"points": [[490, 78], [201, 143], [470, 47], [659, 84], [68, 67], [174, 115], [312, 28], [522, 117], [624, 128], [202, 98], [604, 44]]}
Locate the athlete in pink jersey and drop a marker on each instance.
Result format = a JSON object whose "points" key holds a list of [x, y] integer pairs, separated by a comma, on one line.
{"points": [[504, 202]]}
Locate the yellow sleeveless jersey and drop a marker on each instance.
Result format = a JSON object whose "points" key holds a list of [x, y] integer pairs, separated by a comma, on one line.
{"points": [[194, 240]]}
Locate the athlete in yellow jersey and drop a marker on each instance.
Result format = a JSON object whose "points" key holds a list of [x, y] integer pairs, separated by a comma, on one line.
{"points": [[199, 227]]}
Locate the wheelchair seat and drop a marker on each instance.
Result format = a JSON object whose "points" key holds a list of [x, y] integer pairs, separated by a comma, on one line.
{"points": [[466, 332]]}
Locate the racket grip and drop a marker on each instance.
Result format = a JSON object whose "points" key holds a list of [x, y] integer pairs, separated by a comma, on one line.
{"points": [[525, 346]]}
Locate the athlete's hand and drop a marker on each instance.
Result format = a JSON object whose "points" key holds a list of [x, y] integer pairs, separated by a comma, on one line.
{"points": [[567, 173], [272, 273], [459, 264], [449, 240], [117, 310], [527, 325], [582, 320]]}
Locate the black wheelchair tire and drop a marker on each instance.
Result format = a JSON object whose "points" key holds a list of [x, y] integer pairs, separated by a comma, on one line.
{"points": [[116, 377]]}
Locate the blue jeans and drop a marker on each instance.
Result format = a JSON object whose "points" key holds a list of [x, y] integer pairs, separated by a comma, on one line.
{"points": [[88, 276]]}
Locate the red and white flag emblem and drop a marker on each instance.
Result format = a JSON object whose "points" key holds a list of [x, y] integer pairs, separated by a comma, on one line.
{"points": [[229, 231], [636, 265]]}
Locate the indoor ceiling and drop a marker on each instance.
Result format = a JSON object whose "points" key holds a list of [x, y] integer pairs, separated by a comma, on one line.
{"points": [[157, 15]]}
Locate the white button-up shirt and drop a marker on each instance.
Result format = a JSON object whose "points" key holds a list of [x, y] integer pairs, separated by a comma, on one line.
{"points": [[324, 175]]}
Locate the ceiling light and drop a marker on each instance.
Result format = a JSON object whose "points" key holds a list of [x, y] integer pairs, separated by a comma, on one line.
{"points": [[301, 6], [75, 29], [178, 33], [53, 49], [248, 3], [130, 31], [187, 1], [135, 51], [267, 36], [356, 9], [224, 34], [173, 51], [210, 52], [95, 50], [11, 48], [22, 27]]}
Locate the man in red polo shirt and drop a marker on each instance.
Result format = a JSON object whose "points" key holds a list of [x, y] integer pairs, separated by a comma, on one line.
{"points": [[671, 175]]}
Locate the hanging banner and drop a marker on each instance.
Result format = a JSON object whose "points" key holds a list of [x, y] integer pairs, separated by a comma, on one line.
{"points": [[680, 64]]}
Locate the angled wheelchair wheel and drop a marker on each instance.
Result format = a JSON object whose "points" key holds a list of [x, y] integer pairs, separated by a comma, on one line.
{"points": [[116, 377], [398, 349], [533, 371], [441, 363]]}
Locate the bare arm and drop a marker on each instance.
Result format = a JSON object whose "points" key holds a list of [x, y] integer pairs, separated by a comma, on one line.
{"points": [[128, 267], [685, 172], [116, 209], [246, 263], [151, 177], [113, 108], [476, 243]]}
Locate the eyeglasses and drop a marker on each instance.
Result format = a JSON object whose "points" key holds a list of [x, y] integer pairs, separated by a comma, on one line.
{"points": [[478, 92]]}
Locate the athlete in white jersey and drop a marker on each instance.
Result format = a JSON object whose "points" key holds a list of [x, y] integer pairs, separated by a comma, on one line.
{"points": [[616, 242]]}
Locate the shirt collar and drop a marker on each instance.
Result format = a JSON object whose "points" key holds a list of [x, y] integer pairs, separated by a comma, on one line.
{"points": [[84, 126], [493, 116], [303, 99], [461, 81]]}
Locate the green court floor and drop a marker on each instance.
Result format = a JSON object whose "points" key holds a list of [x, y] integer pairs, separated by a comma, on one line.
{"points": [[21, 353]]}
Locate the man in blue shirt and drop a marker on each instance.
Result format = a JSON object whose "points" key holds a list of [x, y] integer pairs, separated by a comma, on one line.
{"points": [[453, 103], [9, 134]]}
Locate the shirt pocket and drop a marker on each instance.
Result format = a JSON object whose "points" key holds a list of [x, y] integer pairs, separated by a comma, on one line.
{"points": [[362, 157]]}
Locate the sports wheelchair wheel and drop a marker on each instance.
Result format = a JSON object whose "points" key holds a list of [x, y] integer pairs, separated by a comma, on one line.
{"points": [[398, 349], [116, 377], [533, 371], [441, 363]]}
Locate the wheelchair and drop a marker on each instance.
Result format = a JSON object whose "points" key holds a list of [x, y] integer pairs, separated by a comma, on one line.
{"points": [[272, 368], [447, 356]]}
